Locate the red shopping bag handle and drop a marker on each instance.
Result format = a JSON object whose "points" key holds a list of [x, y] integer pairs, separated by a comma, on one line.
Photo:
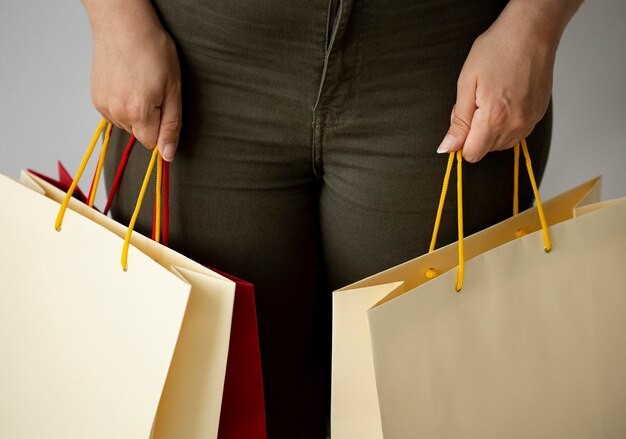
{"points": [[431, 273], [166, 203], [155, 155]]}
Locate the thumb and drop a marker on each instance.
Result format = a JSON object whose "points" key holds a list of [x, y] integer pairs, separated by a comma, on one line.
{"points": [[169, 128], [460, 119]]}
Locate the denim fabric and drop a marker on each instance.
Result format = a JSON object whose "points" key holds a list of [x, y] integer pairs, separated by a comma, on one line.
{"points": [[307, 161]]}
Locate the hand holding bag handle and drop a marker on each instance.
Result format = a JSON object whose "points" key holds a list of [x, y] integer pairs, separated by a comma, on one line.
{"points": [[155, 155], [431, 273]]}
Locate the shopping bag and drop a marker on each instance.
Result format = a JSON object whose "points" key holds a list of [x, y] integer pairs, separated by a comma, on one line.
{"points": [[87, 346], [243, 408], [243, 405], [63, 182], [532, 346]]}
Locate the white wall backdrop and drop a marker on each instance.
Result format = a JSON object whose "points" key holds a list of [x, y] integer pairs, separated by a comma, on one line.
{"points": [[46, 113], [589, 135]]}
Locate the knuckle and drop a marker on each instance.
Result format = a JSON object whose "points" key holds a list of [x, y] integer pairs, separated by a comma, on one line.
{"points": [[117, 113], [528, 130], [535, 119], [175, 88], [134, 112], [171, 125], [144, 130], [462, 83], [471, 158], [98, 102], [146, 138], [498, 115], [474, 152], [169, 44], [519, 122], [506, 144], [470, 154], [459, 121]]}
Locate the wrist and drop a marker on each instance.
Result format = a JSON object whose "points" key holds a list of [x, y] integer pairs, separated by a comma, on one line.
{"points": [[542, 22], [126, 18]]}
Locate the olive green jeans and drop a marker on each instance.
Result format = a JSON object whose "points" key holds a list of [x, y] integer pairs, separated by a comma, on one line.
{"points": [[307, 161]]}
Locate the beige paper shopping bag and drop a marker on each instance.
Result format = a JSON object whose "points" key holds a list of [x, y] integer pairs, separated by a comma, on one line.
{"points": [[518, 353], [191, 401], [534, 345], [88, 346], [84, 347]]}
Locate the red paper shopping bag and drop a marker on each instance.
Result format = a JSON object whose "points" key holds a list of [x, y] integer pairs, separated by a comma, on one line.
{"points": [[63, 183], [243, 407]]}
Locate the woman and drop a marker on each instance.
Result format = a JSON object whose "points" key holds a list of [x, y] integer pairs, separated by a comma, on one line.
{"points": [[306, 158]]}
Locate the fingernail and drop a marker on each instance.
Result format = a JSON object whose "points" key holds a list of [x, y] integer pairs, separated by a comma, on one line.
{"points": [[168, 151], [446, 144]]}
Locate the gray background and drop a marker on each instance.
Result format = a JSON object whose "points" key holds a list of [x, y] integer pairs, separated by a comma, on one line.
{"points": [[46, 112]]}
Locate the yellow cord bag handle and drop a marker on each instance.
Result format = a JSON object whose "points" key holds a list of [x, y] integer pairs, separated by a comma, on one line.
{"points": [[100, 165], [133, 219], [94, 140], [79, 173], [431, 273]]}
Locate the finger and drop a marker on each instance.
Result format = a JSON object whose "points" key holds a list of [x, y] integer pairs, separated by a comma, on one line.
{"points": [[120, 125], [461, 117], [146, 127], [105, 113], [170, 124], [513, 138], [509, 142], [115, 113], [480, 138]]}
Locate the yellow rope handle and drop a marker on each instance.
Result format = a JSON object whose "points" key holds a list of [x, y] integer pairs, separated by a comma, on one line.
{"points": [[103, 152], [79, 174], [157, 202], [133, 219], [442, 200], [431, 273], [542, 218]]}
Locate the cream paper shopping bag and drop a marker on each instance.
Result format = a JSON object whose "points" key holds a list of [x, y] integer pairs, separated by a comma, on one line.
{"points": [[532, 346], [355, 405], [191, 401], [86, 347]]}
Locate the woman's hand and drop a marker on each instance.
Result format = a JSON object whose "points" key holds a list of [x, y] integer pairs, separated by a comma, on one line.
{"points": [[505, 85], [135, 81]]}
